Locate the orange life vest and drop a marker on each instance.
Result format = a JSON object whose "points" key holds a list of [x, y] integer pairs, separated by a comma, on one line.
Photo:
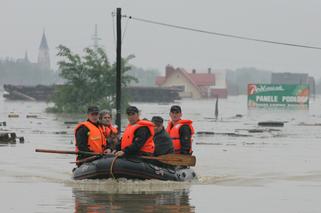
{"points": [[96, 139], [128, 136], [173, 131], [108, 130]]}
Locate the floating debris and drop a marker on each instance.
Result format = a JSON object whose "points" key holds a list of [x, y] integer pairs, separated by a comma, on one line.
{"points": [[21, 139], [38, 131], [271, 123], [248, 143], [205, 133], [258, 130], [204, 143], [255, 130], [13, 115], [31, 116], [222, 133], [307, 124], [71, 122], [10, 137], [233, 134], [50, 132], [60, 132]]}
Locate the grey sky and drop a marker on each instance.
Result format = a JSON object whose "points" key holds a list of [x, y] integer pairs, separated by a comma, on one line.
{"points": [[71, 22]]}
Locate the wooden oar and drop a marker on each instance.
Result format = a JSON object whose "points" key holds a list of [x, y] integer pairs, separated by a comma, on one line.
{"points": [[92, 158], [66, 152], [171, 159], [174, 159], [86, 160]]}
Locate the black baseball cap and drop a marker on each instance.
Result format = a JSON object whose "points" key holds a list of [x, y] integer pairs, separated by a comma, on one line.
{"points": [[92, 109], [131, 109], [157, 120], [176, 108]]}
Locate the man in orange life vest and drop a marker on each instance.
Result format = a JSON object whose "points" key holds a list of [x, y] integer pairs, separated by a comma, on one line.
{"points": [[88, 135], [138, 136], [109, 130], [181, 131]]}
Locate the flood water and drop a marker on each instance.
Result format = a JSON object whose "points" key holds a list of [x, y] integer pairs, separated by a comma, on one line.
{"points": [[275, 169]]}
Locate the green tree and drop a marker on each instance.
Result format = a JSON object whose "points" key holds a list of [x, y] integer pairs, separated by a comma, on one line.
{"points": [[89, 80]]}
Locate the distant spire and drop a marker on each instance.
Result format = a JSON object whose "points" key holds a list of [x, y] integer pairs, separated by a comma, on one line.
{"points": [[43, 55], [95, 37], [43, 43]]}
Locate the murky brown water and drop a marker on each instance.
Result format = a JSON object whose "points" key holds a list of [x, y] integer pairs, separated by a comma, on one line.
{"points": [[277, 170]]}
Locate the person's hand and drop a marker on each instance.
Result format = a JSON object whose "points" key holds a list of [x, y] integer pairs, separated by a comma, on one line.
{"points": [[119, 153], [114, 152], [107, 151]]}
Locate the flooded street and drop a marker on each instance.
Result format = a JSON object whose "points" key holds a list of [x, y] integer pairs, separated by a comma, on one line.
{"points": [[241, 167]]}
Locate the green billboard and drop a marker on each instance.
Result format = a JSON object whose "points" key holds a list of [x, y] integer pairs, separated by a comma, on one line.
{"points": [[278, 95]]}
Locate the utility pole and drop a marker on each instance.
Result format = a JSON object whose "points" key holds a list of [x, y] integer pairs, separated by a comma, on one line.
{"points": [[118, 70], [95, 38], [216, 108]]}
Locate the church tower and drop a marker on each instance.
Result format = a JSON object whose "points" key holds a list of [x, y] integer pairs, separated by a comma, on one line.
{"points": [[43, 55]]}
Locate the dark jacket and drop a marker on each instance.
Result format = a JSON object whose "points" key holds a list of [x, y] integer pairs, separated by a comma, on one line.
{"points": [[163, 143], [140, 137], [185, 138]]}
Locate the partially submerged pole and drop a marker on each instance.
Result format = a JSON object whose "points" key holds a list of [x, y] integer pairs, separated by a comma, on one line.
{"points": [[118, 69], [216, 108]]}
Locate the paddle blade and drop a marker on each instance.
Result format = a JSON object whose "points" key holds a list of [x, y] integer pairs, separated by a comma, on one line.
{"points": [[175, 159]]}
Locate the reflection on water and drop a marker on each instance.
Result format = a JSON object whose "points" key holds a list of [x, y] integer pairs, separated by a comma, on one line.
{"points": [[124, 186], [93, 201]]}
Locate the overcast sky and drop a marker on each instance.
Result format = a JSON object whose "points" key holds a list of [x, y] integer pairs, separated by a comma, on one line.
{"points": [[71, 23]]}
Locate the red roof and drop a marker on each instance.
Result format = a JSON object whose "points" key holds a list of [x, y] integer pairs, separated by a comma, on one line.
{"points": [[202, 79], [197, 79]]}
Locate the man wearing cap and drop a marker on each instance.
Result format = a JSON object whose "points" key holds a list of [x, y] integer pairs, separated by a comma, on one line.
{"points": [[88, 135], [138, 136], [181, 131], [163, 143], [109, 130]]}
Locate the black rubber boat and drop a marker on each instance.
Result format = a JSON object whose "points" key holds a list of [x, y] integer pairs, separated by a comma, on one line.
{"points": [[131, 168]]}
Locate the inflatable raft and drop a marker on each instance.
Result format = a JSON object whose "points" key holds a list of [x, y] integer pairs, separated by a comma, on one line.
{"points": [[130, 168]]}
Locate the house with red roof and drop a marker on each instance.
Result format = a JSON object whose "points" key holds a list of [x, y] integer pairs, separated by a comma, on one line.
{"points": [[194, 84]]}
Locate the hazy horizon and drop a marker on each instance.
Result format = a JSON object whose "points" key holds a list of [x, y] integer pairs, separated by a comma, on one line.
{"points": [[72, 24]]}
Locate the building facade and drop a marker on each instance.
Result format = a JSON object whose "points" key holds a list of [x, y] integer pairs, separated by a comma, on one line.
{"points": [[192, 84], [294, 78]]}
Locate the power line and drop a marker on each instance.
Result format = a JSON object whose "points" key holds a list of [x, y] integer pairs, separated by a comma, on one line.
{"points": [[125, 30], [113, 14], [223, 34]]}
